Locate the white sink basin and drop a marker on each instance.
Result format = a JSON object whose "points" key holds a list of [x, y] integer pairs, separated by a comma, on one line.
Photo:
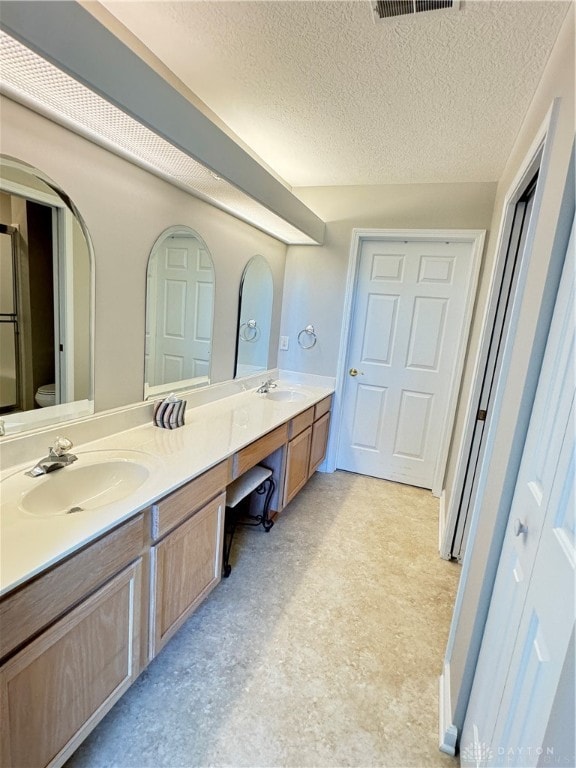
{"points": [[286, 395], [96, 480], [81, 488]]}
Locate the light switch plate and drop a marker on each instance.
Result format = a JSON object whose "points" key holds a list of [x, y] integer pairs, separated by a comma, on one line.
{"points": [[284, 343]]}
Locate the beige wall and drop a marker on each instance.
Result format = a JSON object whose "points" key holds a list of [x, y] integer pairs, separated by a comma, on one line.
{"points": [[533, 312], [315, 281], [125, 209]]}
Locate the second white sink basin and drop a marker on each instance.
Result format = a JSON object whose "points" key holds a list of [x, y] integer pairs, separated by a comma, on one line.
{"points": [[286, 395], [80, 488]]}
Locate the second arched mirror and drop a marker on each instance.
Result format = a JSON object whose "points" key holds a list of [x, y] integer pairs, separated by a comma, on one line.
{"points": [[254, 318], [179, 313]]}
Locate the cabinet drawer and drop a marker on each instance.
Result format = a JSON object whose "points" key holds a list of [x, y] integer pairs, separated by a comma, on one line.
{"points": [[299, 423], [176, 507], [24, 612], [322, 407], [55, 690], [250, 456]]}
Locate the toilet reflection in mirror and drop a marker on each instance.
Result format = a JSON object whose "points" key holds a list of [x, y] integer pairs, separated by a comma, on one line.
{"points": [[45, 300], [179, 313], [254, 318]]}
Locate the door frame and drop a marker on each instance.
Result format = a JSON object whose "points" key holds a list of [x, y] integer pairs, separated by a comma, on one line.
{"points": [[536, 160], [511, 410], [62, 283], [359, 235]]}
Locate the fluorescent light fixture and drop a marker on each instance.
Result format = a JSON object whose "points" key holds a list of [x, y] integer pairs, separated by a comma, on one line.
{"points": [[33, 81]]}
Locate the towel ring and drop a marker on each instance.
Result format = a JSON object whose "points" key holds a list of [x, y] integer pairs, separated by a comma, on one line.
{"points": [[308, 331], [249, 331]]}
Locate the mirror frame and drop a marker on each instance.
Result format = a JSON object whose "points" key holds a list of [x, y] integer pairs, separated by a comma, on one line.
{"points": [[24, 421], [155, 391]]}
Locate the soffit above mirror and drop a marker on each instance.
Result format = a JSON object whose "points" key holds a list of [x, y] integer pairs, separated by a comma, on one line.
{"points": [[128, 108]]}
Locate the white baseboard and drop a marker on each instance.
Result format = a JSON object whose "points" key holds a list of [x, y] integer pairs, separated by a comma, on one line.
{"points": [[441, 519], [447, 731]]}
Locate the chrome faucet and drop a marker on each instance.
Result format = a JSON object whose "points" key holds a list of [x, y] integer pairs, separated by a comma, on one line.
{"points": [[266, 386], [56, 459]]}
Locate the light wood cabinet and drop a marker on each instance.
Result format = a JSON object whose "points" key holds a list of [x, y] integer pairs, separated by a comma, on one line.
{"points": [[185, 567], [30, 608], [297, 458], [307, 447], [55, 690], [176, 507], [319, 443]]}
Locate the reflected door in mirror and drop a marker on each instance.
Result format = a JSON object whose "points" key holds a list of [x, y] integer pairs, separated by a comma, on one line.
{"points": [[180, 303], [9, 391], [45, 301]]}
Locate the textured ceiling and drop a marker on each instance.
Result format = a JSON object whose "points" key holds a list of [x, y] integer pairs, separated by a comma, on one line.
{"points": [[325, 96]]}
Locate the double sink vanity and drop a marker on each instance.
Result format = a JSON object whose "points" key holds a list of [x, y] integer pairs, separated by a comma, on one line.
{"points": [[108, 545], [104, 560]]}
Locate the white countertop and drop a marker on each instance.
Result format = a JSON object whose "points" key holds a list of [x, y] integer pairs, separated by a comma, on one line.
{"points": [[213, 432]]}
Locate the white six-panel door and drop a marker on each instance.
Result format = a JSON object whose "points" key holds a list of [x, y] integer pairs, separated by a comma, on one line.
{"points": [[185, 297], [407, 327]]}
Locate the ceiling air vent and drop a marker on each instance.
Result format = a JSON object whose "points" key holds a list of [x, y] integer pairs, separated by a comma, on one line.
{"points": [[386, 9]]}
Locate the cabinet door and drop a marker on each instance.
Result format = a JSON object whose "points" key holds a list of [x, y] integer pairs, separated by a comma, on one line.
{"points": [[186, 566], [55, 690], [319, 442], [298, 457]]}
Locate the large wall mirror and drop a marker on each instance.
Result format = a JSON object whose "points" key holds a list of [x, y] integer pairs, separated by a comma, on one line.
{"points": [[46, 302], [254, 318], [179, 313]]}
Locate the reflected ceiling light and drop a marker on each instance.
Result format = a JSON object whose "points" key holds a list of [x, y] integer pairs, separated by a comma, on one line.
{"points": [[31, 80]]}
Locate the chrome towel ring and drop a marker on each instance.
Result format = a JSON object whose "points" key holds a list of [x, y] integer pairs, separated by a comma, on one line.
{"points": [[249, 331], [307, 337]]}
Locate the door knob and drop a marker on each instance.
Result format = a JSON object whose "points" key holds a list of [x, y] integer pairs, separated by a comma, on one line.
{"points": [[519, 527], [355, 372]]}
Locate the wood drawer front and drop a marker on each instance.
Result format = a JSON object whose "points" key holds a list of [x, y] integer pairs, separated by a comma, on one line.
{"points": [[319, 442], [27, 610], [55, 690], [322, 407], [299, 423], [186, 566], [250, 456], [176, 507]]}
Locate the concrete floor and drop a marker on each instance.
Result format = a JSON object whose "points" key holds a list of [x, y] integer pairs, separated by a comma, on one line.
{"points": [[323, 648]]}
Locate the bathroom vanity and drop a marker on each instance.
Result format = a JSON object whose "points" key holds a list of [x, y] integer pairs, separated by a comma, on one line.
{"points": [[102, 591]]}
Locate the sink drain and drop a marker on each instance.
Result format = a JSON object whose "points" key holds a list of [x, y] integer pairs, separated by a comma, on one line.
{"points": [[74, 509]]}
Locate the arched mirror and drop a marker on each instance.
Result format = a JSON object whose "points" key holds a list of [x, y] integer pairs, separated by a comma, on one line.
{"points": [[179, 313], [46, 302], [254, 318]]}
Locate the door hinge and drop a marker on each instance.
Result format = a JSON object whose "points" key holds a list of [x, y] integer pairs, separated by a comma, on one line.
{"points": [[481, 416]]}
